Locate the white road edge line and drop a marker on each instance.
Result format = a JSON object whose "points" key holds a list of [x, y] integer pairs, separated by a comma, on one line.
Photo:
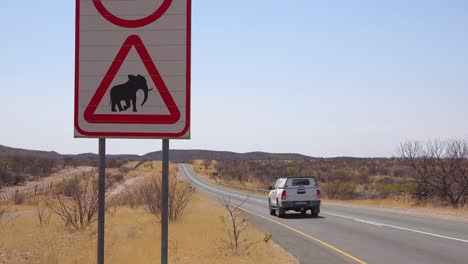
{"points": [[368, 222], [396, 227]]}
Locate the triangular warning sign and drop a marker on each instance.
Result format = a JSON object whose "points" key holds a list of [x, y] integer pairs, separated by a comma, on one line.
{"points": [[174, 113]]}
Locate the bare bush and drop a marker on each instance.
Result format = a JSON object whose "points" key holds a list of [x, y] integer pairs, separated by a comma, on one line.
{"points": [[236, 226], [68, 187], [149, 195], [42, 211], [441, 169], [128, 196], [78, 209], [43, 215], [179, 196]]}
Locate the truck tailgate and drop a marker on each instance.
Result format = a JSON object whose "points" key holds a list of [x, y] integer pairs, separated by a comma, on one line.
{"points": [[301, 194]]}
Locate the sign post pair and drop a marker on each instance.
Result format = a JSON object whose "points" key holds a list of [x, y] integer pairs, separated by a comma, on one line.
{"points": [[132, 80]]}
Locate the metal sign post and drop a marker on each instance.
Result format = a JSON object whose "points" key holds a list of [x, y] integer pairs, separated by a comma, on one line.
{"points": [[148, 48], [165, 202], [101, 200]]}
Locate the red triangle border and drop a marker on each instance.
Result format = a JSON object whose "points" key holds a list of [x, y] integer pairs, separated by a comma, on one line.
{"points": [[174, 113]]}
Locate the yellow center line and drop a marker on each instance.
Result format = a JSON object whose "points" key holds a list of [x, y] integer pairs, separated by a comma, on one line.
{"points": [[308, 236]]}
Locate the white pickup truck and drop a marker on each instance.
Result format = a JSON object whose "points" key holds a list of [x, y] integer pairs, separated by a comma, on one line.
{"points": [[294, 193]]}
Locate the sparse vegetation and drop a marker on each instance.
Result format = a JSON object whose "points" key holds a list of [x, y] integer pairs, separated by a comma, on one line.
{"points": [[236, 225], [15, 169], [149, 194], [76, 203], [344, 190], [4, 209], [395, 189], [132, 236], [43, 213], [19, 198]]}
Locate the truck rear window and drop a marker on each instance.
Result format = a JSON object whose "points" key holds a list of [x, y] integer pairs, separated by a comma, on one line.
{"points": [[303, 182]]}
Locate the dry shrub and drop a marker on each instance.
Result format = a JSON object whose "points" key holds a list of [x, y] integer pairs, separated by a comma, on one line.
{"points": [[68, 187], [124, 170], [132, 231], [117, 177], [128, 197], [19, 198], [236, 227], [77, 207], [339, 190], [5, 208], [42, 211], [179, 196], [149, 196]]}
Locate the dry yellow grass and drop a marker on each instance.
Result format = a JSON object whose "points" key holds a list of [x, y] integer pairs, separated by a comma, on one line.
{"points": [[130, 164], [148, 168], [132, 236], [68, 172]]}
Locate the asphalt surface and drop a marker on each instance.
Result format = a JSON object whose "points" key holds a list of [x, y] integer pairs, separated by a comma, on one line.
{"points": [[351, 235]]}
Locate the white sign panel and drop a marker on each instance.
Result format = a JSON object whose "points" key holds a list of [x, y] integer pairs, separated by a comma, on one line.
{"points": [[132, 72]]}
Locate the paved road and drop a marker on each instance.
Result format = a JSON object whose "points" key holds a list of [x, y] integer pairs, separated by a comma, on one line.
{"points": [[352, 235]]}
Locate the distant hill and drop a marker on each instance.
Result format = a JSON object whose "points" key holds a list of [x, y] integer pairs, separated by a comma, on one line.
{"points": [[8, 151], [187, 155], [175, 155], [95, 156]]}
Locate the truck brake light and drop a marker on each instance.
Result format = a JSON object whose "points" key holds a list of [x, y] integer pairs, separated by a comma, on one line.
{"points": [[318, 193], [283, 195]]}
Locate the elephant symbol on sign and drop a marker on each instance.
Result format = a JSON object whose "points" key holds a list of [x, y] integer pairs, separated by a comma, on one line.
{"points": [[128, 92]]}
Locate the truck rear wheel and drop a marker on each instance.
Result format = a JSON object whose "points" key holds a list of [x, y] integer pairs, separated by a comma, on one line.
{"points": [[280, 212], [272, 211]]}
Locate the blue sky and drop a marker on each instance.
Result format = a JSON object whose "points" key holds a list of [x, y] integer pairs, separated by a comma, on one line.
{"points": [[322, 78]]}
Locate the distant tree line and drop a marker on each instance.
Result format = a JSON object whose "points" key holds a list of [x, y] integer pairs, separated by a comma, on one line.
{"points": [[340, 178], [326, 169], [17, 169]]}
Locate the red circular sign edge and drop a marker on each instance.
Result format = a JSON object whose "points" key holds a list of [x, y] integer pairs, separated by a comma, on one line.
{"points": [[132, 23]]}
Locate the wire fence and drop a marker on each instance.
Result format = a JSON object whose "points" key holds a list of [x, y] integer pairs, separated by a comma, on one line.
{"points": [[38, 189]]}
